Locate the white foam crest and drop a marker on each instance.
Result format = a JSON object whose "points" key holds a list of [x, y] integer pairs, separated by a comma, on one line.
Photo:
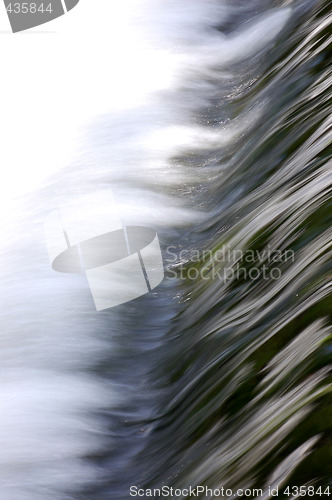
{"points": [[98, 61]]}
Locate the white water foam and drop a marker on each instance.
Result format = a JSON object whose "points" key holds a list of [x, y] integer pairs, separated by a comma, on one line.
{"points": [[95, 73]]}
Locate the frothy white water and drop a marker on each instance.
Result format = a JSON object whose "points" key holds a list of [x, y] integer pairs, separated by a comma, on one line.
{"points": [[95, 102]]}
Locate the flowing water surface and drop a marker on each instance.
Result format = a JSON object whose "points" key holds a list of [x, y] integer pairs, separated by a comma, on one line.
{"points": [[211, 122]]}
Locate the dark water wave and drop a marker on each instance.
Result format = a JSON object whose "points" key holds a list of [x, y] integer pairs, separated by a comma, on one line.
{"points": [[226, 381]]}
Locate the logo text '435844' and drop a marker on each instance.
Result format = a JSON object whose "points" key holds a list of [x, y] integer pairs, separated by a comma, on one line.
{"points": [[24, 15]]}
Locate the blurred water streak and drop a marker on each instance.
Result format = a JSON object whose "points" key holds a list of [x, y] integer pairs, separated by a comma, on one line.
{"points": [[202, 381]]}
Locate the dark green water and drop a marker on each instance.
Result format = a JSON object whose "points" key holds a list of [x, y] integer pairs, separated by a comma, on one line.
{"points": [[227, 381]]}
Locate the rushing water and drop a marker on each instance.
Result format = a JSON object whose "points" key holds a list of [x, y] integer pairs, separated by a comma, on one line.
{"points": [[218, 377]]}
